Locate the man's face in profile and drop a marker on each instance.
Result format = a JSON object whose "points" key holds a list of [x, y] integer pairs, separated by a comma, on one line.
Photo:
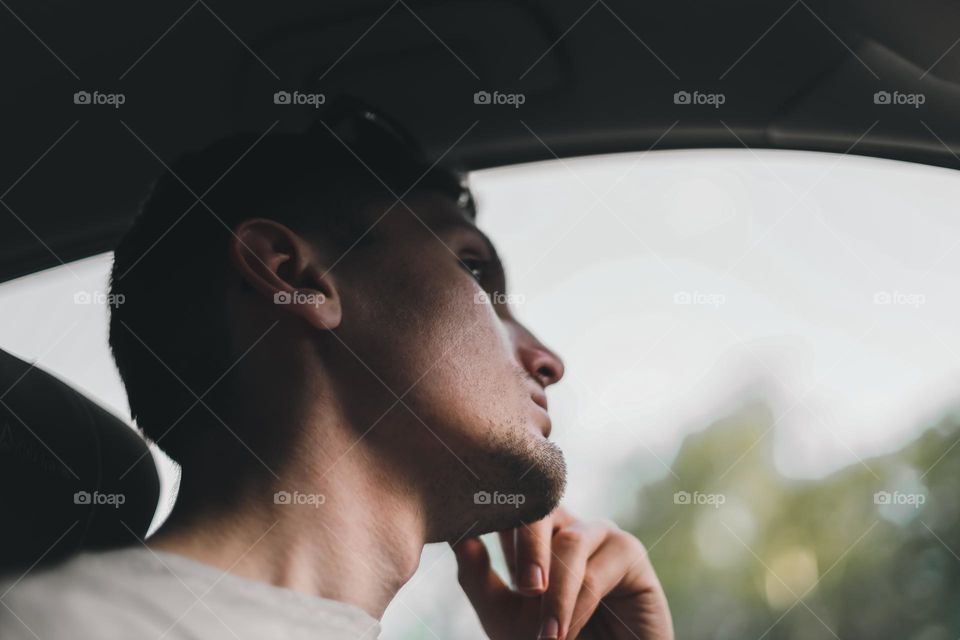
{"points": [[426, 320]]}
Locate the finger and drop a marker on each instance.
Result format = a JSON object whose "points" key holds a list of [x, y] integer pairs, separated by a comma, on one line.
{"points": [[509, 553], [479, 581], [532, 550], [621, 566], [572, 547], [605, 569], [561, 518]]}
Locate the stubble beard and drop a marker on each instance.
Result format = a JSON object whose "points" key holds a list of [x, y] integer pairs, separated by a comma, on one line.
{"points": [[520, 479]]}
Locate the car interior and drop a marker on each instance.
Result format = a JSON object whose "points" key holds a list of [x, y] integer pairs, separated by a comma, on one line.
{"points": [[597, 77]]}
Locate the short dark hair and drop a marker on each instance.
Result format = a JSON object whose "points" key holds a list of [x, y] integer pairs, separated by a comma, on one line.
{"points": [[168, 337]]}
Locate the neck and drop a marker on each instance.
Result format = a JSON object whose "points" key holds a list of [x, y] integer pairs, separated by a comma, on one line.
{"points": [[346, 534]]}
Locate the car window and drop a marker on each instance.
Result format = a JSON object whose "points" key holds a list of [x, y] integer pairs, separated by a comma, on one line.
{"points": [[761, 354], [760, 347]]}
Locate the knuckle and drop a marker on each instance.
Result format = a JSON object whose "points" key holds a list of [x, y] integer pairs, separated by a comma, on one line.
{"points": [[562, 600], [632, 545], [590, 586], [609, 525], [568, 539], [555, 601]]}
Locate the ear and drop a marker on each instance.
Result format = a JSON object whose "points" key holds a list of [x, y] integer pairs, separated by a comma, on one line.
{"points": [[285, 270]]}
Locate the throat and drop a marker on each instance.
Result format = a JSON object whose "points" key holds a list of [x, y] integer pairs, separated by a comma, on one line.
{"points": [[348, 544]]}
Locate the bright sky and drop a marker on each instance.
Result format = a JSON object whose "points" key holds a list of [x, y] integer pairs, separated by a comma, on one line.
{"points": [[827, 281], [672, 283]]}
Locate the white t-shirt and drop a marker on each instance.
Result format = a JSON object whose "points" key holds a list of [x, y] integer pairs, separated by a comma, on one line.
{"points": [[136, 593]]}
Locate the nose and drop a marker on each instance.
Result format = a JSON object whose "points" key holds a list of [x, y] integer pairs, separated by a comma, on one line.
{"points": [[540, 362]]}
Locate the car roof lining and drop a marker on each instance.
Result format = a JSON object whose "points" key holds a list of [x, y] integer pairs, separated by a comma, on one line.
{"points": [[597, 78]]}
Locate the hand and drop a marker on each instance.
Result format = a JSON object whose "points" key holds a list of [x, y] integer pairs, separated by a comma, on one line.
{"points": [[574, 579]]}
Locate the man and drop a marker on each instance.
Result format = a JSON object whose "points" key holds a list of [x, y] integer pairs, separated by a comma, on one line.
{"points": [[315, 329]]}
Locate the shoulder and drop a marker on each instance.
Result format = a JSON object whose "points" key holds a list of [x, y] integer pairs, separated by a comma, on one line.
{"points": [[88, 595]]}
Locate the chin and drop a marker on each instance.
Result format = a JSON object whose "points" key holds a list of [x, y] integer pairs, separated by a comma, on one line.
{"points": [[543, 484], [519, 485]]}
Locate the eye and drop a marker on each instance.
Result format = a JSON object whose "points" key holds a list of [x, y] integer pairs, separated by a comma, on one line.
{"points": [[475, 267]]}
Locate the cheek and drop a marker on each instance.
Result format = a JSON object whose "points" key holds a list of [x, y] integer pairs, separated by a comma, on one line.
{"points": [[463, 336], [472, 388], [435, 311], [454, 348], [423, 322]]}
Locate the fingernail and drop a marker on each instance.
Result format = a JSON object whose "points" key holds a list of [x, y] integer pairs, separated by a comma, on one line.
{"points": [[550, 628], [532, 578]]}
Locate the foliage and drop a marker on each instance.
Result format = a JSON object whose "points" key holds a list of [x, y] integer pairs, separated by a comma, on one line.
{"points": [[749, 553]]}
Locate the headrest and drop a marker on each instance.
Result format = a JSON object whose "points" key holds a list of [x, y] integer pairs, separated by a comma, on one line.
{"points": [[72, 475]]}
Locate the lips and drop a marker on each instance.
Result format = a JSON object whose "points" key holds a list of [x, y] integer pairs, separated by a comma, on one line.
{"points": [[540, 398]]}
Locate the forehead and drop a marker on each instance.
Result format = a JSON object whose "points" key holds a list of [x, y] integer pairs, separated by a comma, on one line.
{"points": [[437, 211], [422, 213]]}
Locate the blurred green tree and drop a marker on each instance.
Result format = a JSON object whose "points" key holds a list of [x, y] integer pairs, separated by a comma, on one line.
{"points": [[871, 551]]}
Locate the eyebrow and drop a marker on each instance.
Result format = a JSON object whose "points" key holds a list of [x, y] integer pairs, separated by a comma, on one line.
{"points": [[463, 225]]}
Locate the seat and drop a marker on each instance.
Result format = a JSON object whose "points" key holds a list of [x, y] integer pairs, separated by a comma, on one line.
{"points": [[72, 475]]}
